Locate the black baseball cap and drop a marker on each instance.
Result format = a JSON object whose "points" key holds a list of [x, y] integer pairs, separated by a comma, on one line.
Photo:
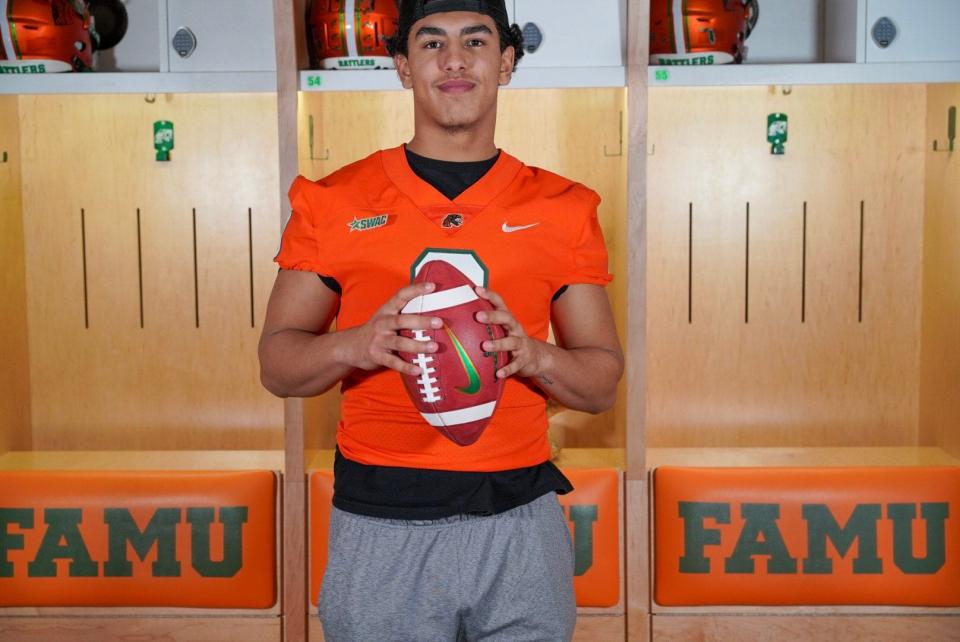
{"points": [[413, 10]]}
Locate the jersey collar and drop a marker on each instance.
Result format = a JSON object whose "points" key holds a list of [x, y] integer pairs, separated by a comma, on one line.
{"points": [[435, 205]]}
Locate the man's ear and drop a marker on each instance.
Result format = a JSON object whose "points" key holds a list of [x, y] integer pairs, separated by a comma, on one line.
{"points": [[507, 62], [403, 70]]}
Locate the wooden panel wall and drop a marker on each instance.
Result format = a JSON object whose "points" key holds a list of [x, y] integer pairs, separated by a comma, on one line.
{"points": [[576, 133], [940, 378], [765, 342], [15, 374], [108, 371]]}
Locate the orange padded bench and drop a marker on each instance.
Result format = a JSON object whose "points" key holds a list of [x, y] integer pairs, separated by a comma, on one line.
{"points": [[807, 536], [143, 539], [593, 513]]}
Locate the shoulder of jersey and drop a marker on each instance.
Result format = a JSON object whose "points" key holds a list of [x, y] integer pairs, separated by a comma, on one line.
{"points": [[360, 183], [535, 183]]}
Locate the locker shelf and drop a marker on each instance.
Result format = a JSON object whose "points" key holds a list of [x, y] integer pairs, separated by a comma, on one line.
{"points": [[137, 83], [805, 74], [529, 78]]}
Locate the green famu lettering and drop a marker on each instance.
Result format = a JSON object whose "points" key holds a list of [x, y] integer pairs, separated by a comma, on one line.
{"points": [[160, 532], [22, 517], [583, 518], [233, 518], [760, 536], [903, 515], [63, 525], [696, 537], [862, 527]]}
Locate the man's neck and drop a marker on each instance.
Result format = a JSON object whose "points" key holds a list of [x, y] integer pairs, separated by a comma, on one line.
{"points": [[461, 146]]}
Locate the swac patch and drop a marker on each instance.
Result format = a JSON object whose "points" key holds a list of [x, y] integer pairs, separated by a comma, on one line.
{"points": [[368, 223]]}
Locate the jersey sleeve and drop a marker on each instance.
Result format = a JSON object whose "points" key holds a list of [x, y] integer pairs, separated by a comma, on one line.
{"points": [[299, 243], [589, 265]]}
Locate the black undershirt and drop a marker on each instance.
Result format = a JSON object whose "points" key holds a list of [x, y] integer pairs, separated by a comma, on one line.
{"points": [[449, 178], [412, 493]]}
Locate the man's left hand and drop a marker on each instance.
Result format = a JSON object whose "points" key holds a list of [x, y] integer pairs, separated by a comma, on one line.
{"points": [[528, 356]]}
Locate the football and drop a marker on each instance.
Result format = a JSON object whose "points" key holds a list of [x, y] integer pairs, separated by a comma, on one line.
{"points": [[458, 390]]}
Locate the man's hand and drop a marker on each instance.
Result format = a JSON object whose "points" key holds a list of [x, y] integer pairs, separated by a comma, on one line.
{"points": [[377, 342], [300, 357], [527, 356], [582, 370]]}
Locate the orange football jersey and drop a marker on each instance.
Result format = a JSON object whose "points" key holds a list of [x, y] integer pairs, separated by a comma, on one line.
{"points": [[521, 231]]}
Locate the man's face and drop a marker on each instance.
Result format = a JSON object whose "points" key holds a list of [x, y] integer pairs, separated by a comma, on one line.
{"points": [[454, 67]]}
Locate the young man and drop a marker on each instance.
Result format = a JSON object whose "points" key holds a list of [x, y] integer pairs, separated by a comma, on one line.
{"points": [[431, 541]]}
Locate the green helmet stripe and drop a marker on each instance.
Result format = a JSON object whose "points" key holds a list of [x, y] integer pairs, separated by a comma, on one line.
{"points": [[13, 31]]}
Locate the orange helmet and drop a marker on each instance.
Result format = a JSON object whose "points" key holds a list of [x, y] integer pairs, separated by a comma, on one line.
{"points": [[700, 32], [350, 34], [42, 36]]}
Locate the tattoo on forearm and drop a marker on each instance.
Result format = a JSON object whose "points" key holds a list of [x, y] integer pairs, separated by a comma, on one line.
{"points": [[547, 380]]}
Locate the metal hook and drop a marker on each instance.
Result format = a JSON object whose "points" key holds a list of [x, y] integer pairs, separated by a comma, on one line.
{"points": [[653, 150], [4, 158], [951, 130], [150, 99], [787, 90], [313, 156], [619, 153]]}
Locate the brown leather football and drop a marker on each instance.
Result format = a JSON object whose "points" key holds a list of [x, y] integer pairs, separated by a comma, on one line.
{"points": [[457, 391]]}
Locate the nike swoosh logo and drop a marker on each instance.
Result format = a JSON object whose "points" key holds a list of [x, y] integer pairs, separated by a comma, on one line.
{"points": [[473, 385], [509, 229]]}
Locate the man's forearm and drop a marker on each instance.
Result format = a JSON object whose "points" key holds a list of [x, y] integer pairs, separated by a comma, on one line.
{"points": [[295, 363], [580, 378]]}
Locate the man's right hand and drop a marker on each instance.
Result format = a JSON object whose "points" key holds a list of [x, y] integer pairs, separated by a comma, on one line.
{"points": [[377, 342], [299, 357]]}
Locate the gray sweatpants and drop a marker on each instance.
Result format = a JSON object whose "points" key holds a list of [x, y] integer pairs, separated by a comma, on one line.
{"points": [[505, 577]]}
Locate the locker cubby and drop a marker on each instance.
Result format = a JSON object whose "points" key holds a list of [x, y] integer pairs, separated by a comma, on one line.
{"points": [[141, 284], [802, 308], [134, 291], [803, 301]]}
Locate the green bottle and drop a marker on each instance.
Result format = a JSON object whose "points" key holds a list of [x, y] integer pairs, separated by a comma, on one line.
{"points": [[777, 133], [163, 139]]}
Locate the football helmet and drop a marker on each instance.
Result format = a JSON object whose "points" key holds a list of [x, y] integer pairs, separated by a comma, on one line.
{"points": [[701, 32], [43, 36], [350, 34]]}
